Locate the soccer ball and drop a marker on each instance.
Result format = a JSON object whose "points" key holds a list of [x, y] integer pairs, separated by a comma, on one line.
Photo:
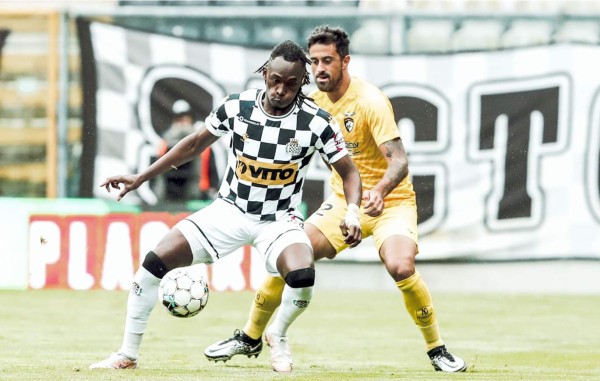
{"points": [[183, 291]]}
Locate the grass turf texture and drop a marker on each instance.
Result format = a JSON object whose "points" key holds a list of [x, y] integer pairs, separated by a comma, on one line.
{"points": [[56, 335]]}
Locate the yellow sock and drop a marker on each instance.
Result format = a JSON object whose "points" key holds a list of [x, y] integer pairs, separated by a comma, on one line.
{"points": [[417, 300], [268, 298]]}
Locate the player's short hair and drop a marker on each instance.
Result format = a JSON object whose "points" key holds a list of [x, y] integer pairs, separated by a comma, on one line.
{"points": [[327, 35]]}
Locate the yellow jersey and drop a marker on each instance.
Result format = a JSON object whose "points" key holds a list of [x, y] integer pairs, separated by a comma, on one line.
{"points": [[366, 120]]}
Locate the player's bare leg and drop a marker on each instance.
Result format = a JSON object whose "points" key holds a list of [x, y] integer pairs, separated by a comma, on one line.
{"points": [[322, 248], [398, 254]]}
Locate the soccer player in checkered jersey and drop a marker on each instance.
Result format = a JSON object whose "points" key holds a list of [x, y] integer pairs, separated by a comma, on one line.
{"points": [[274, 133], [389, 210]]}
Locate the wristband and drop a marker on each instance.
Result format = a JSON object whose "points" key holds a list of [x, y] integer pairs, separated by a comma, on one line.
{"points": [[352, 216]]}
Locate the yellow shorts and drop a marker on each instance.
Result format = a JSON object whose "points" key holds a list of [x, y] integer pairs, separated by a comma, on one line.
{"points": [[395, 220]]}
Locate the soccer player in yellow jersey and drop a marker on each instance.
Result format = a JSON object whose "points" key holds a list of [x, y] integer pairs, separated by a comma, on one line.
{"points": [[389, 211]]}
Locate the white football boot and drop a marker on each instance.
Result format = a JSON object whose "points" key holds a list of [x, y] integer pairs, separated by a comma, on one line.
{"points": [[281, 357], [116, 361]]}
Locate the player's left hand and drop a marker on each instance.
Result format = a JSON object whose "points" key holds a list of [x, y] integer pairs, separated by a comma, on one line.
{"points": [[372, 203], [352, 233]]}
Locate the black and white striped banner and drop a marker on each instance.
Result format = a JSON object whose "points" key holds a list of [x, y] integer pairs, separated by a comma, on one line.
{"points": [[504, 146]]}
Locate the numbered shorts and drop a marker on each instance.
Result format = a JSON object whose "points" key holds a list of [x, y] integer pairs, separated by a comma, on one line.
{"points": [[221, 228], [395, 220]]}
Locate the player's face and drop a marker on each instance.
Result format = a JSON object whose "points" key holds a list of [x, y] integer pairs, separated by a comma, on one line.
{"points": [[327, 66], [283, 80]]}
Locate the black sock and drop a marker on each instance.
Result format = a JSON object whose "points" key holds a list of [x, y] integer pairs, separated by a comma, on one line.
{"points": [[247, 339]]}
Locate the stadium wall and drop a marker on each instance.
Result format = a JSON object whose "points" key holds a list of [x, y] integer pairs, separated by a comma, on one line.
{"points": [[98, 244], [95, 244], [504, 149]]}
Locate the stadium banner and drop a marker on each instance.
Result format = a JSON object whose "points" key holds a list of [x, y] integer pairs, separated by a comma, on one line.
{"points": [[83, 244], [82, 252], [504, 146], [18, 242]]}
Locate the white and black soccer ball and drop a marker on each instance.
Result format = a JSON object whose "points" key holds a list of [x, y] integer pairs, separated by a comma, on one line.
{"points": [[183, 291]]}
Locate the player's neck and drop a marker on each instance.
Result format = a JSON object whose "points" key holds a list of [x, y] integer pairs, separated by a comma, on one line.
{"points": [[339, 92]]}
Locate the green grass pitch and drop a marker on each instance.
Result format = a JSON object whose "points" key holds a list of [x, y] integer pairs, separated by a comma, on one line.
{"points": [[55, 335]]}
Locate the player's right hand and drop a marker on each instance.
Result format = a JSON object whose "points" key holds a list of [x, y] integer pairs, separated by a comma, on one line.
{"points": [[352, 233], [130, 182]]}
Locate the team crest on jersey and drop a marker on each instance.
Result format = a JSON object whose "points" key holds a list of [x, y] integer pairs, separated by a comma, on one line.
{"points": [[293, 147], [348, 121]]}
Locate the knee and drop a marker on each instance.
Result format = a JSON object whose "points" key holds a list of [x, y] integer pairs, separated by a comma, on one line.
{"points": [[301, 278], [155, 265], [400, 270]]}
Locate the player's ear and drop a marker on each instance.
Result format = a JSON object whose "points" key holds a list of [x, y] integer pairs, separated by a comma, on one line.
{"points": [[345, 62]]}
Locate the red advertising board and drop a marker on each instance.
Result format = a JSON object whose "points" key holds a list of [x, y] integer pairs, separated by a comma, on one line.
{"points": [[83, 252]]}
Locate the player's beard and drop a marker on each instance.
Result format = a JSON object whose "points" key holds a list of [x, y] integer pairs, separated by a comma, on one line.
{"points": [[332, 83]]}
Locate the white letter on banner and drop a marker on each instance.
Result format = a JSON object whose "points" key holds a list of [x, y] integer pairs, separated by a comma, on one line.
{"points": [[77, 277], [44, 249], [150, 235], [257, 267], [117, 269], [227, 272]]}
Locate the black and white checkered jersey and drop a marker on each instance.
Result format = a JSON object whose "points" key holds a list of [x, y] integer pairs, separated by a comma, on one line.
{"points": [[269, 155]]}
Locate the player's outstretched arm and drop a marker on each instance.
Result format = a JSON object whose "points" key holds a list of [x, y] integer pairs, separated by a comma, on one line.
{"points": [[350, 225], [397, 170], [185, 150]]}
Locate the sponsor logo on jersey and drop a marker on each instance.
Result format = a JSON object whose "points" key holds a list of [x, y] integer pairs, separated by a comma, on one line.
{"points": [[293, 147], [352, 148], [259, 172], [348, 121], [241, 118]]}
